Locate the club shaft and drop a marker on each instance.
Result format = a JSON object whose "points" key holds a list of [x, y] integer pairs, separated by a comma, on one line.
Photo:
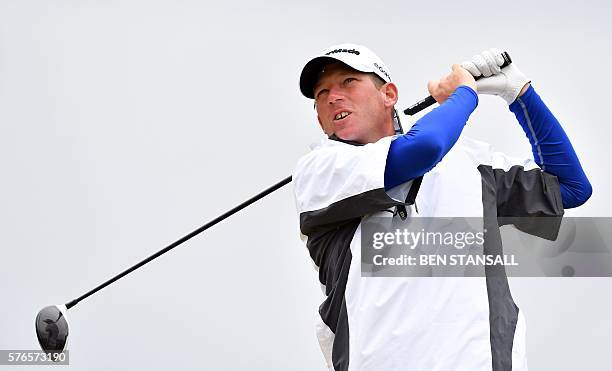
{"points": [[426, 102], [183, 239]]}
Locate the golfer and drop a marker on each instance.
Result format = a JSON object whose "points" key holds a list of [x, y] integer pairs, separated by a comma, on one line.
{"points": [[365, 167]]}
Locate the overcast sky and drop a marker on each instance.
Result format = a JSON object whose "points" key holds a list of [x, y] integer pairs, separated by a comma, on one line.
{"points": [[126, 124]]}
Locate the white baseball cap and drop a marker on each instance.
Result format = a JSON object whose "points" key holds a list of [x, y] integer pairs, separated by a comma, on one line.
{"points": [[356, 56]]}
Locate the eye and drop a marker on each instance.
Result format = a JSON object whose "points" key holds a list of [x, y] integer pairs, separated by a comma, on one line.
{"points": [[349, 80], [320, 93]]}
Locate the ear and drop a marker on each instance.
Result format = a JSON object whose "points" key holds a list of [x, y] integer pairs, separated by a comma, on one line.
{"points": [[390, 92]]}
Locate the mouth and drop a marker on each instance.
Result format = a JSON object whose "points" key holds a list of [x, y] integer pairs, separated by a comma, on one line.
{"points": [[342, 115]]}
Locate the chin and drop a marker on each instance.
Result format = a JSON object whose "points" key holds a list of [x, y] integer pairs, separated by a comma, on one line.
{"points": [[347, 134], [353, 137], [352, 129]]}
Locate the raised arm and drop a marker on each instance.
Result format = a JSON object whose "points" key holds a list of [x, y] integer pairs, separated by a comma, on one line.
{"points": [[431, 137], [551, 147]]}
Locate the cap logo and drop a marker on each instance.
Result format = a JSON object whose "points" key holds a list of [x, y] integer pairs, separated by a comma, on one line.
{"points": [[382, 70], [352, 51]]}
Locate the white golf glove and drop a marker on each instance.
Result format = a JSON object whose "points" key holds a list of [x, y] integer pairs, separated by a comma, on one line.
{"points": [[506, 83]]}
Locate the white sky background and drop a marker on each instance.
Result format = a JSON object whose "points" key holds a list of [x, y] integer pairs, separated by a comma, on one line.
{"points": [[126, 124]]}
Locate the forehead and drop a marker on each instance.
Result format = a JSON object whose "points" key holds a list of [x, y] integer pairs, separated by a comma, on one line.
{"points": [[334, 69]]}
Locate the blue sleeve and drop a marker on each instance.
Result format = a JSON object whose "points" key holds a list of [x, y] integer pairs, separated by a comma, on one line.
{"points": [[551, 147], [430, 138]]}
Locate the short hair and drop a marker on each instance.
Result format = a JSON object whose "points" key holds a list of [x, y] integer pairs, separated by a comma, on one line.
{"points": [[378, 82]]}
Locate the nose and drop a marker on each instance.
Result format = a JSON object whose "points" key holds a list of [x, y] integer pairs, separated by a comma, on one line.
{"points": [[335, 94]]}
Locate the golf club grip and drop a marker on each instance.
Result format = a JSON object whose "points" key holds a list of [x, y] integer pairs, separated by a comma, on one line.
{"points": [[424, 103]]}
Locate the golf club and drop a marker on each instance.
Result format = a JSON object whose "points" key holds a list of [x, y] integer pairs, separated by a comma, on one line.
{"points": [[51, 322], [426, 102]]}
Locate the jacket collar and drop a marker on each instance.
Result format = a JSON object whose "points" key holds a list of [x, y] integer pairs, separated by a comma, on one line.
{"points": [[334, 137]]}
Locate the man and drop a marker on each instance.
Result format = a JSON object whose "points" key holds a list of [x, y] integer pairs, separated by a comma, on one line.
{"points": [[366, 167]]}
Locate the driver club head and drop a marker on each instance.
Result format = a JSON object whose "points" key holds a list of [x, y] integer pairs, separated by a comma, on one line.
{"points": [[52, 328]]}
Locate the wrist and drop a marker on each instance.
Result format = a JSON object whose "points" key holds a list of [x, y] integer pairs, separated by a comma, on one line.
{"points": [[470, 88], [524, 89], [466, 93]]}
